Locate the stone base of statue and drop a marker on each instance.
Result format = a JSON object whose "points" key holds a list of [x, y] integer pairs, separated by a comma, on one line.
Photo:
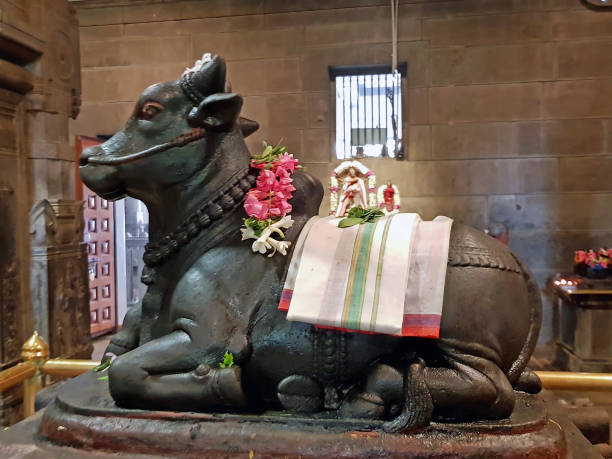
{"points": [[84, 419]]}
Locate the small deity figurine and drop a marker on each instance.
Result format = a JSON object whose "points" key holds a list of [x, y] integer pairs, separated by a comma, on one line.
{"points": [[351, 184], [388, 198], [353, 193]]}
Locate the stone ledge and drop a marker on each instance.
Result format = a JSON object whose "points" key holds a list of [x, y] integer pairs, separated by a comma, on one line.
{"points": [[84, 416]]}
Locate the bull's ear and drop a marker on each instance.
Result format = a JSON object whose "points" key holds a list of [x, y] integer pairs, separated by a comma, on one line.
{"points": [[218, 112]]}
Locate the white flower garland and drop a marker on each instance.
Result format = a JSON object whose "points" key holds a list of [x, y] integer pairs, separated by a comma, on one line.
{"points": [[266, 242]]}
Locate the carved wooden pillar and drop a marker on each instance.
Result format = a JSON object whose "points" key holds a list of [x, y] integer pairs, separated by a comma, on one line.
{"points": [[39, 91], [21, 44], [55, 98], [59, 277], [59, 285]]}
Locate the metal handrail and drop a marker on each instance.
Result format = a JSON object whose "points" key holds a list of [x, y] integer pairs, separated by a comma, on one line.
{"points": [[67, 368], [568, 380], [16, 375], [36, 364]]}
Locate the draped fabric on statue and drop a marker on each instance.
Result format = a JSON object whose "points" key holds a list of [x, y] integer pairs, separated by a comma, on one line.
{"points": [[353, 194], [382, 277]]}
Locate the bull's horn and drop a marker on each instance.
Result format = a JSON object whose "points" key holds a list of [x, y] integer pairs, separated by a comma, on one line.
{"points": [[209, 79], [247, 126]]}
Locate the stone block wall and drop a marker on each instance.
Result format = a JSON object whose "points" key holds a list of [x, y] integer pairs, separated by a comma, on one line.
{"points": [[507, 102]]}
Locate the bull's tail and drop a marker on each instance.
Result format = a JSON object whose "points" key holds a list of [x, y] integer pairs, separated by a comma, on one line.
{"points": [[519, 375], [528, 382]]}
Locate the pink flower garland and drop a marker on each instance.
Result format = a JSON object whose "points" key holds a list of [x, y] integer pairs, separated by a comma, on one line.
{"points": [[591, 258], [267, 203], [273, 189]]}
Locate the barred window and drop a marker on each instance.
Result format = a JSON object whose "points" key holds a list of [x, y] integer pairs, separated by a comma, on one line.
{"points": [[368, 110]]}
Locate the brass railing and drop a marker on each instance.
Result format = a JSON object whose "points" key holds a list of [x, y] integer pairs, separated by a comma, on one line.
{"points": [[36, 364]]}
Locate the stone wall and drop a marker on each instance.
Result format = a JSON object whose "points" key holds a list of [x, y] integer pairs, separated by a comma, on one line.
{"points": [[508, 113]]}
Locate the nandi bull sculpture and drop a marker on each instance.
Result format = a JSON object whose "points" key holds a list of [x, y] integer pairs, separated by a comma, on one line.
{"points": [[183, 153]]}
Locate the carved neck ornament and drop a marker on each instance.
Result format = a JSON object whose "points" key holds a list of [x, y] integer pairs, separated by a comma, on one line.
{"points": [[225, 199]]}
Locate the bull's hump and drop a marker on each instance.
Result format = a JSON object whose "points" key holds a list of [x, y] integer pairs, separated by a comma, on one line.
{"points": [[472, 247], [308, 194]]}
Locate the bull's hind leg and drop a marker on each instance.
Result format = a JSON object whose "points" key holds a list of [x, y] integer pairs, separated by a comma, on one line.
{"points": [[300, 394], [166, 372], [380, 396], [466, 386], [471, 385]]}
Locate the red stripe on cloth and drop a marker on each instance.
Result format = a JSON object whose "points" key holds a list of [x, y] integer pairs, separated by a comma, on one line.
{"points": [[415, 325], [346, 330], [285, 300], [421, 332], [421, 325], [407, 332], [421, 320]]}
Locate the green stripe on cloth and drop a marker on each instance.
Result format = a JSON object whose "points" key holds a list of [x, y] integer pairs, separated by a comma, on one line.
{"points": [[355, 291], [381, 258], [351, 277]]}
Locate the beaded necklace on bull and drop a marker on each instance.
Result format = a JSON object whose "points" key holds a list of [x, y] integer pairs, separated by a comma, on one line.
{"points": [[266, 201]]}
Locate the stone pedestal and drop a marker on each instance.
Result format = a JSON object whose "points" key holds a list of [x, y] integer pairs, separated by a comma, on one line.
{"points": [[582, 321], [83, 421], [59, 277], [84, 416]]}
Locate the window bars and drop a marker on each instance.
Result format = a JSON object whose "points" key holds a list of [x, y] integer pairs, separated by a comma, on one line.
{"points": [[368, 111]]}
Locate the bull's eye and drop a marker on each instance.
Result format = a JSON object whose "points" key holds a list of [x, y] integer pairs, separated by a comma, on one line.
{"points": [[149, 110]]}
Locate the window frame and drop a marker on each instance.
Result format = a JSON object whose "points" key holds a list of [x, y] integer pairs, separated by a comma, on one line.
{"points": [[369, 69]]}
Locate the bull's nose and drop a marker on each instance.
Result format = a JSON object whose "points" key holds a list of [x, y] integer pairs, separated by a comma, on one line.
{"points": [[88, 153]]}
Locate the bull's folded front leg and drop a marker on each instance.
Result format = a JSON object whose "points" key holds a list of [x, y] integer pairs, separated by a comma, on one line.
{"points": [[128, 337], [171, 373], [208, 314]]}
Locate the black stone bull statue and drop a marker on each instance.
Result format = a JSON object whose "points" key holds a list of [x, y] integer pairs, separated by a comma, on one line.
{"points": [[183, 154]]}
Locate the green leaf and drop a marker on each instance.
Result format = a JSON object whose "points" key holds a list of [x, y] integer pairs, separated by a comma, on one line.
{"points": [[349, 221], [358, 215], [256, 225], [356, 212], [368, 215], [372, 214], [103, 378], [269, 154], [103, 365], [228, 360]]}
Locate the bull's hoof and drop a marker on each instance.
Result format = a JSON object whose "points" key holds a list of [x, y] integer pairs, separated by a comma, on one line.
{"points": [[300, 394], [364, 405], [386, 382], [221, 386]]}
